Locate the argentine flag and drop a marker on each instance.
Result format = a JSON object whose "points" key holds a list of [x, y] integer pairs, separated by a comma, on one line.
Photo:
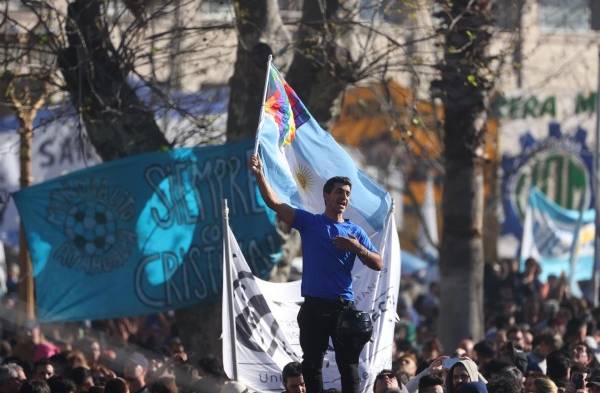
{"points": [[299, 157]]}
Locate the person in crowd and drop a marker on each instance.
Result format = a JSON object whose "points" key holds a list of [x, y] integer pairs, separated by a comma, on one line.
{"points": [[134, 371], [468, 347], [515, 335], [82, 377], [163, 385], [582, 355], [431, 384], [43, 370], [544, 384], [60, 384], [530, 377], [508, 380], [407, 363], [463, 371], [116, 385], [211, 375], [12, 377], [472, 387], [330, 244], [558, 369], [543, 345], [384, 380], [76, 358], [293, 380], [34, 386]]}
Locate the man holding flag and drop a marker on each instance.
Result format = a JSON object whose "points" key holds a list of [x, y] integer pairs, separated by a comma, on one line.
{"points": [[330, 245]]}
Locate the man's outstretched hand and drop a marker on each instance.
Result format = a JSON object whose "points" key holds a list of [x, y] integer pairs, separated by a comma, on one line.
{"points": [[255, 165]]}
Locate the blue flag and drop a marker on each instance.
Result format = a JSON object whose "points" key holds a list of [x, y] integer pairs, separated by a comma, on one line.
{"points": [[299, 157], [142, 234], [549, 237]]}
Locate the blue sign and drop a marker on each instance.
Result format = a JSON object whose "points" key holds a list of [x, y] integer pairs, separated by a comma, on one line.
{"points": [[142, 234]]}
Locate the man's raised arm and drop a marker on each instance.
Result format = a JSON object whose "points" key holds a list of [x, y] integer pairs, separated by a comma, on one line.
{"points": [[283, 210]]}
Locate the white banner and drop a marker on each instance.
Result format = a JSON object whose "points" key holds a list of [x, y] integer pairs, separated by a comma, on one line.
{"points": [[267, 330]]}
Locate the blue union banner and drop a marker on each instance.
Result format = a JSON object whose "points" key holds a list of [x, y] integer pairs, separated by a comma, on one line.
{"points": [[142, 234]]}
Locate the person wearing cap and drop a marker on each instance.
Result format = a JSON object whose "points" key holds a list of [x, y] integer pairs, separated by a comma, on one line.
{"points": [[330, 245], [134, 371]]}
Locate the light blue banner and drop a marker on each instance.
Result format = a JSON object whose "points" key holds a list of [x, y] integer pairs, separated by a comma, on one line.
{"points": [[142, 234]]}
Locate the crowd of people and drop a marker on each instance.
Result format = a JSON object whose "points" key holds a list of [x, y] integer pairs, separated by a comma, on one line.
{"points": [[538, 339]]}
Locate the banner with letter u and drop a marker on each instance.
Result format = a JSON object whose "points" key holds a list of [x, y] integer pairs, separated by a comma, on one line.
{"points": [[142, 234]]}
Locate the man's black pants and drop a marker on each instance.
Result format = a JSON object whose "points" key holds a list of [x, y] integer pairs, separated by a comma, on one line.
{"points": [[317, 320]]}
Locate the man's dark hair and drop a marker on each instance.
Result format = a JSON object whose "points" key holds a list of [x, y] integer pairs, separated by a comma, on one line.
{"points": [[508, 380], [61, 385], [329, 184], [428, 381], [292, 369], [557, 365], [79, 375], [163, 385], [211, 365], [42, 363], [484, 349], [34, 387], [116, 385], [546, 338]]}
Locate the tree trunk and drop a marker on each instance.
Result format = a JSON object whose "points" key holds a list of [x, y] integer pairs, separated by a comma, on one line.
{"points": [[463, 87], [260, 33], [326, 56], [117, 122]]}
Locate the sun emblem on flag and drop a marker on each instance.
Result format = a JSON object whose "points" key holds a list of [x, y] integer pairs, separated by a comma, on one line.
{"points": [[304, 178]]}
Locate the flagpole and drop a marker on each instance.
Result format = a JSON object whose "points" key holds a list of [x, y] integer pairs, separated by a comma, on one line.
{"points": [[229, 280], [262, 106], [596, 193], [575, 290]]}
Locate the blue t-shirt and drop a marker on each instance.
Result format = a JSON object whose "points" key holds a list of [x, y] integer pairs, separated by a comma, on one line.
{"points": [[327, 270]]}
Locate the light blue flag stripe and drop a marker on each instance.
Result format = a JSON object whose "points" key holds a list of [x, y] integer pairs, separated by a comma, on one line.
{"points": [[553, 235]]}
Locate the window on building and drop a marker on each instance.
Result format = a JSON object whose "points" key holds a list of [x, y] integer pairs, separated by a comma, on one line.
{"points": [[572, 15]]}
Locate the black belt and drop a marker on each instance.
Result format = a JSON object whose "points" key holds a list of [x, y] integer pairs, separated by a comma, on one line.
{"points": [[340, 302]]}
